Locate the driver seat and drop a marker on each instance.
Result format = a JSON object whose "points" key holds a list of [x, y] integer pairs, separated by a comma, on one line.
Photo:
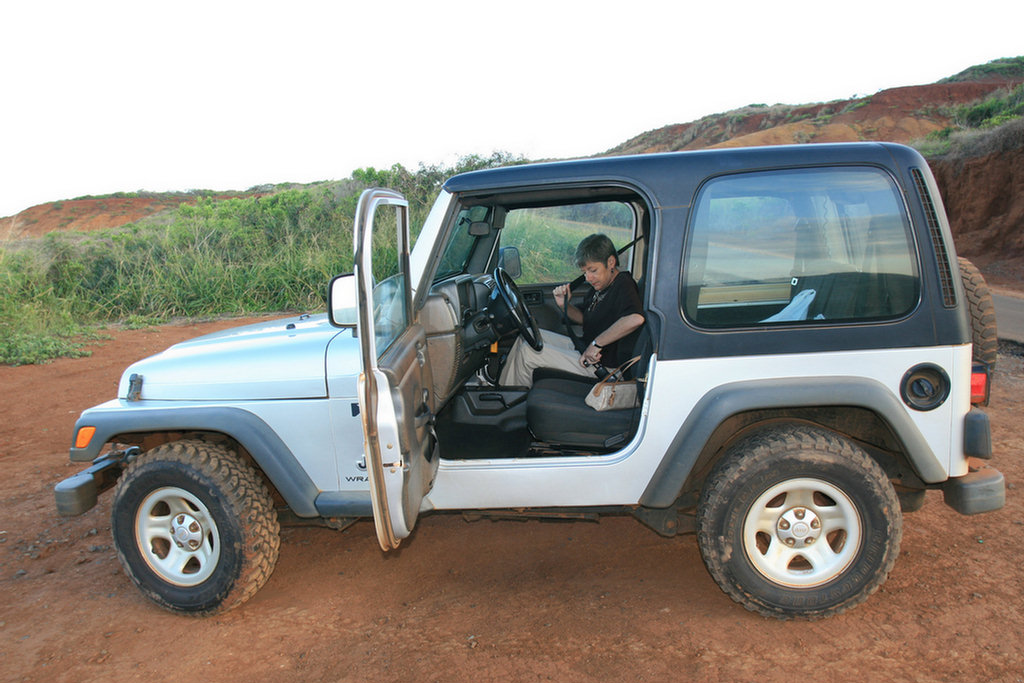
{"points": [[556, 411]]}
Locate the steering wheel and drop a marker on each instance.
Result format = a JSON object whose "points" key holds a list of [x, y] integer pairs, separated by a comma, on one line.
{"points": [[520, 314]]}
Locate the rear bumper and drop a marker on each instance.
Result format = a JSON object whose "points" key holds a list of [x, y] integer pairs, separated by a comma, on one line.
{"points": [[976, 492]]}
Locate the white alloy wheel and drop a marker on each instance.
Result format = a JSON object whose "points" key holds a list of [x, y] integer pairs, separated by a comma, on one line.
{"points": [[802, 533], [177, 536]]}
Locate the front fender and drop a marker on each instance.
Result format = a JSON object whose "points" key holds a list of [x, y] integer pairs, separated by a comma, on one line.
{"points": [[732, 399], [264, 445]]}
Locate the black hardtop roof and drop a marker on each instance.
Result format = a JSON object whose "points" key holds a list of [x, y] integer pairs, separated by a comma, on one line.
{"points": [[655, 172]]}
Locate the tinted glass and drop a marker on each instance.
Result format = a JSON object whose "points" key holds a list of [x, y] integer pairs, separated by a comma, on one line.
{"points": [[799, 246]]}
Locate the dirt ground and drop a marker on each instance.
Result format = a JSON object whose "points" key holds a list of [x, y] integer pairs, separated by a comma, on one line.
{"points": [[481, 601]]}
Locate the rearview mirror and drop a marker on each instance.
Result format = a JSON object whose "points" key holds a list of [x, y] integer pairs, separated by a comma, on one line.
{"points": [[341, 301]]}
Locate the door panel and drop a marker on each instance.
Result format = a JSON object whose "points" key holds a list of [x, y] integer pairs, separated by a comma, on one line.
{"points": [[408, 376], [395, 382]]}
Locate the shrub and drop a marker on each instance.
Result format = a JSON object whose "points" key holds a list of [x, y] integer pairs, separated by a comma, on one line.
{"points": [[240, 255]]}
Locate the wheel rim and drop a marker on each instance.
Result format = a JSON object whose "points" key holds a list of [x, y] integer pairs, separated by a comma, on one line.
{"points": [[802, 533], [177, 537]]}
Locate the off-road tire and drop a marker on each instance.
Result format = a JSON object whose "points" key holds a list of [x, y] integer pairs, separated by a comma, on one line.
{"points": [[984, 335], [766, 479], [234, 537]]}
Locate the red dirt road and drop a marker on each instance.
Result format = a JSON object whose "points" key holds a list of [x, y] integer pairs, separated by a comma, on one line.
{"points": [[502, 601]]}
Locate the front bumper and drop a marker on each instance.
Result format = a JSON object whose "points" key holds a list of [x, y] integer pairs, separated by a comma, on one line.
{"points": [[981, 491], [77, 494]]}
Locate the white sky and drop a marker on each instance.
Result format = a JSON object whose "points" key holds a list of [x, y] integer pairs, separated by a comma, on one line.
{"points": [[103, 96]]}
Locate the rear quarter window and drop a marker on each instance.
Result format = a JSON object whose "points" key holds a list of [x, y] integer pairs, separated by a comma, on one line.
{"points": [[805, 246]]}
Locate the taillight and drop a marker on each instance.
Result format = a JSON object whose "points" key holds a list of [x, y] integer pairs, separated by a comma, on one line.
{"points": [[980, 384]]}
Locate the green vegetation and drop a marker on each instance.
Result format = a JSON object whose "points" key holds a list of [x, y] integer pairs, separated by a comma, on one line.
{"points": [[854, 105], [976, 125], [995, 110], [1007, 67], [232, 256]]}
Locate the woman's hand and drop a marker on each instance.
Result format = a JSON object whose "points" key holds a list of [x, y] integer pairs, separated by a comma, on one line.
{"points": [[562, 293], [591, 356]]}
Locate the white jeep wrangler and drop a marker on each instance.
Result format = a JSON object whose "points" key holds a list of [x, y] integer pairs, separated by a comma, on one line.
{"points": [[806, 374]]}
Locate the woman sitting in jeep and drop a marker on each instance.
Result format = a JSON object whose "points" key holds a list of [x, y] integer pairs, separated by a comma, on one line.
{"points": [[610, 316]]}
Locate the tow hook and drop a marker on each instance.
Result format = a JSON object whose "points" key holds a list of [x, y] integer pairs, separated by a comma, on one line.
{"points": [[77, 494]]}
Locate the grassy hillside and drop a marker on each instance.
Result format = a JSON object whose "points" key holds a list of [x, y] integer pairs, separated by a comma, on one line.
{"points": [[1007, 68], [901, 115], [977, 128], [207, 257]]}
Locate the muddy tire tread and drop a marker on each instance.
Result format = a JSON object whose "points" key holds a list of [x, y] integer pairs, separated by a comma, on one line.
{"points": [[984, 334], [750, 455], [247, 497]]}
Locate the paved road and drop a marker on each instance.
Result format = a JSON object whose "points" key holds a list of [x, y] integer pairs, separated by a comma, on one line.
{"points": [[1009, 317]]}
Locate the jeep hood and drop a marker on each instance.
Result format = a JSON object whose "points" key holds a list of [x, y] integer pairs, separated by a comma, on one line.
{"points": [[275, 360]]}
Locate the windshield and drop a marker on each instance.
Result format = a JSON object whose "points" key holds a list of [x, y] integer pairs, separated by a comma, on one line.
{"points": [[460, 244]]}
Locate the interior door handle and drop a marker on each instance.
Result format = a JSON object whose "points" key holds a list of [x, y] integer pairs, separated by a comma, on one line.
{"points": [[533, 297], [423, 416]]}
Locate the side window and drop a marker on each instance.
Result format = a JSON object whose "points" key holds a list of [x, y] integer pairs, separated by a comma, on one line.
{"points": [[799, 246], [390, 293], [547, 236]]}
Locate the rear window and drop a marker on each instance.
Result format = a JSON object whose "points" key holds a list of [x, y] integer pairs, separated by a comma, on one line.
{"points": [[807, 246]]}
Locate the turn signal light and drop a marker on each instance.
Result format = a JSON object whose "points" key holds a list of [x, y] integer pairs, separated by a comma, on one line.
{"points": [[980, 385], [84, 436]]}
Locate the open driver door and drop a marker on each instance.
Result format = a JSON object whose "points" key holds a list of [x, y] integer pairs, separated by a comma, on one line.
{"points": [[395, 379]]}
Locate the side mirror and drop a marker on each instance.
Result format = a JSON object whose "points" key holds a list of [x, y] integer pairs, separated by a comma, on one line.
{"points": [[342, 306], [508, 259]]}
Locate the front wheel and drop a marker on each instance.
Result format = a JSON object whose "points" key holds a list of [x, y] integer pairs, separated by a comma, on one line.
{"points": [[798, 522], [195, 527]]}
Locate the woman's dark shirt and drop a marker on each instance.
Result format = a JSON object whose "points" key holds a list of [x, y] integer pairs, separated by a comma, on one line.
{"points": [[602, 309]]}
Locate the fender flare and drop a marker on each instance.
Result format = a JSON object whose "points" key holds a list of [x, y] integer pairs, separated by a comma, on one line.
{"points": [[264, 445], [731, 399]]}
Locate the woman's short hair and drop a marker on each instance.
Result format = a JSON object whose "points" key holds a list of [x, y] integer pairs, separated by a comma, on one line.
{"points": [[595, 248]]}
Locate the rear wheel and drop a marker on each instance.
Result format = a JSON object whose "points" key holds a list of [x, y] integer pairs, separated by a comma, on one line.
{"points": [[984, 336], [195, 527], [798, 522]]}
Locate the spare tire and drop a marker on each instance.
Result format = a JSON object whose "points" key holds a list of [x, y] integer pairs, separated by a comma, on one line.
{"points": [[982, 312]]}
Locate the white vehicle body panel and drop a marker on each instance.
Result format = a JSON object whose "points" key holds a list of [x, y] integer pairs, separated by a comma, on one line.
{"points": [[233, 364], [620, 478]]}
